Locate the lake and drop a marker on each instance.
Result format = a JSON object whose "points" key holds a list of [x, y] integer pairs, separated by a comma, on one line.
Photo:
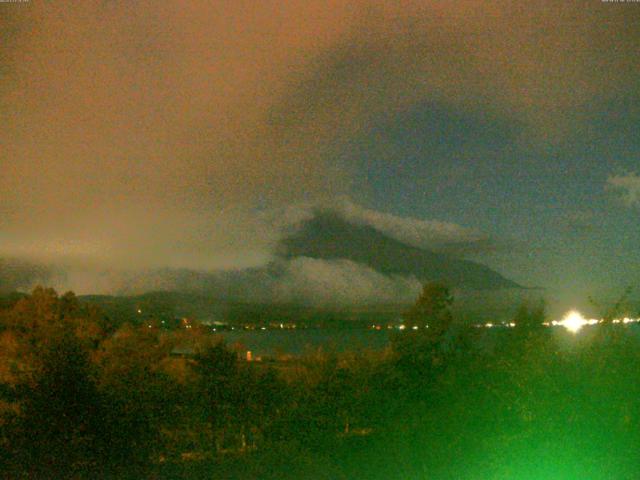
{"points": [[297, 341], [271, 342]]}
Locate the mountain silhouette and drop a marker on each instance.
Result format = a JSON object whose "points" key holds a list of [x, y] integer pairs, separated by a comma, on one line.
{"points": [[328, 236]]}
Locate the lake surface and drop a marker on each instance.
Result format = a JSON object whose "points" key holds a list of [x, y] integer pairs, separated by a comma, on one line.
{"points": [[296, 342], [299, 341]]}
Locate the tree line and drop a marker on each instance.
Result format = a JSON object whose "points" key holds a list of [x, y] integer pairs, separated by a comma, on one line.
{"points": [[81, 398]]}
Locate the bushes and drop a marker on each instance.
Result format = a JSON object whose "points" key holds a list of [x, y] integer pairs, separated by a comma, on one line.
{"points": [[79, 401]]}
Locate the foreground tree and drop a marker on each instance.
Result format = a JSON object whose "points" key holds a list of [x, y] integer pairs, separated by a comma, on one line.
{"points": [[54, 427], [620, 307], [432, 308], [422, 349], [76, 401], [530, 317], [140, 396]]}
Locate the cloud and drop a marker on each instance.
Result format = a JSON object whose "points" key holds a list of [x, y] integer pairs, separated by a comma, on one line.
{"points": [[419, 233], [136, 134], [341, 282], [245, 246], [21, 275], [307, 281], [627, 186], [148, 134], [429, 234]]}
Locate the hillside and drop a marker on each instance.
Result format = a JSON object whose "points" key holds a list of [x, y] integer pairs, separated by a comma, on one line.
{"points": [[328, 237]]}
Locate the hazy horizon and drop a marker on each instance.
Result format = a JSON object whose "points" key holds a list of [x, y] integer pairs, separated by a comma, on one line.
{"points": [[139, 136]]}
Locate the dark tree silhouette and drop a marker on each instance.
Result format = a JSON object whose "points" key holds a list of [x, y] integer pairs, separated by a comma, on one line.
{"points": [[530, 317], [432, 308]]}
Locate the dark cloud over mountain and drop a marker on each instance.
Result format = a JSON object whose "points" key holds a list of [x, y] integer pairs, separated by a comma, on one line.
{"points": [[144, 135], [330, 254], [330, 237]]}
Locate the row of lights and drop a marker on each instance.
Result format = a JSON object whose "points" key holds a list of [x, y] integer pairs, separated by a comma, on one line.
{"points": [[399, 327], [494, 325], [573, 322]]}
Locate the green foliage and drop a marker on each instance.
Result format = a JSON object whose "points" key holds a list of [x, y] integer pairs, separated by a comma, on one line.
{"points": [[620, 307], [432, 308], [79, 400], [530, 317]]}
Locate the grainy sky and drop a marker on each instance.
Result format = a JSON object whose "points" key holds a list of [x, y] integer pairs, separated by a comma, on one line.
{"points": [[150, 134]]}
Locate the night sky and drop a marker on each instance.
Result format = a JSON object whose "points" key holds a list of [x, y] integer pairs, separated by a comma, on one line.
{"points": [[150, 134]]}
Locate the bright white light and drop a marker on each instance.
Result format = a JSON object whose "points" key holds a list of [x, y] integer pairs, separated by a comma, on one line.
{"points": [[573, 321]]}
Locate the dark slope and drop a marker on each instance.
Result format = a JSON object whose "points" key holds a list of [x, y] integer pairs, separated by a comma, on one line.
{"points": [[329, 237], [16, 274]]}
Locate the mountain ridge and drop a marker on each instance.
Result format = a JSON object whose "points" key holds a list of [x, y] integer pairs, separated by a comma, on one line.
{"points": [[327, 236]]}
